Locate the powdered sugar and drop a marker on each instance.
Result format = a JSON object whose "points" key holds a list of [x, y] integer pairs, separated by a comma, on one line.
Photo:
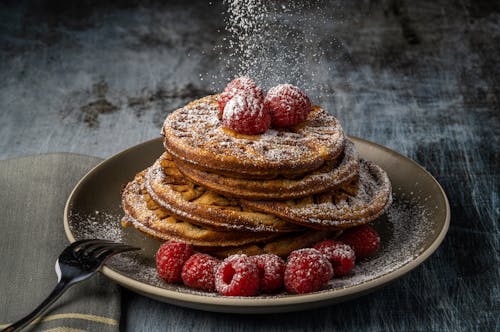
{"points": [[96, 225], [277, 41], [239, 104], [405, 232], [234, 107], [244, 22]]}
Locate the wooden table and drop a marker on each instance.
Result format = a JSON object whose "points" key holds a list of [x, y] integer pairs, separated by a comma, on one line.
{"points": [[421, 77]]}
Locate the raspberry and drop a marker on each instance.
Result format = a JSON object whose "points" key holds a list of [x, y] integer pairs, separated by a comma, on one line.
{"points": [[271, 270], [199, 272], [339, 254], [307, 270], [170, 258], [237, 275], [363, 239], [240, 85], [245, 114], [287, 104]]}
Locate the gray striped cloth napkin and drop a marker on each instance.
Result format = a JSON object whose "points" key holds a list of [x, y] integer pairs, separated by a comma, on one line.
{"points": [[33, 192]]}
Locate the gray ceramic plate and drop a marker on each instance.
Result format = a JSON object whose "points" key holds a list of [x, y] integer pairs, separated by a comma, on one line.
{"points": [[410, 232]]}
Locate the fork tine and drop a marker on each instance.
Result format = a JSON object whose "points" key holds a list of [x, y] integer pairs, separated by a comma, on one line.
{"points": [[123, 247], [88, 247], [92, 247], [109, 251], [82, 244], [86, 243], [116, 244], [77, 246], [95, 247]]}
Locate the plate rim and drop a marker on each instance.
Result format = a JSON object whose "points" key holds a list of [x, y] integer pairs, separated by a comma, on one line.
{"points": [[265, 303]]}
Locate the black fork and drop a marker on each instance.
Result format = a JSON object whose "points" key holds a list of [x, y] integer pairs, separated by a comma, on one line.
{"points": [[78, 262]]}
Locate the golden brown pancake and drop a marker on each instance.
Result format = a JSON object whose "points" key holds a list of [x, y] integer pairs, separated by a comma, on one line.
{"points": [[353, 205], [193, 203], [281, 246], [195, 135], [330, 175], [150, 218]]}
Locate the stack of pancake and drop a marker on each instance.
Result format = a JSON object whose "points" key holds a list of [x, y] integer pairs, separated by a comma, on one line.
{"points": [[229, 193]]}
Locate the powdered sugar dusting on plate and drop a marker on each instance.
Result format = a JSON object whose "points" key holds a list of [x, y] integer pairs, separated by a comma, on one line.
{"points": [[405, 231], [96, 225]]}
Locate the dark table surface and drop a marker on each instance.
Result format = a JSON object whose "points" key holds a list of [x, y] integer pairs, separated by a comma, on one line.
{"points": [[420, 77]]}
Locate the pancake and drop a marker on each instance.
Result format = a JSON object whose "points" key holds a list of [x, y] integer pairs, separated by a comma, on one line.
{"points": [[193, 203], [357, 203], [330, 175], [195, 135], [150, 218], [281, 246]]}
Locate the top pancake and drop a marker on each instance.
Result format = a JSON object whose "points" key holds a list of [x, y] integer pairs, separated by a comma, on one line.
{"points": [[195, 135]]}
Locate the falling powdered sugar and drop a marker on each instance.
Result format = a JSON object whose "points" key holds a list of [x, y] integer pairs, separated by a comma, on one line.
{"points": [[276, 42]]}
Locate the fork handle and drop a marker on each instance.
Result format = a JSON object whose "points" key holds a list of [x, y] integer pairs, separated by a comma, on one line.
{"points": [[60, 288]]}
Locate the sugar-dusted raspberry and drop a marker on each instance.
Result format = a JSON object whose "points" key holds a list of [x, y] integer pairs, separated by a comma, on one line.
{"points": [[339, 254], [307, 270], [170, 258], [271, 271], [237, 275], [240, 85], [363, 239], [287, 104], [246, 114], [199, 272]]}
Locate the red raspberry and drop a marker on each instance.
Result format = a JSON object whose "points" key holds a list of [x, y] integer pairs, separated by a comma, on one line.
{"points": [[199, 272], [170, 258], [246, 114], [239, 85], [339, 254], [287, 104], [363, 239], [307, 270], [271, 271], [237, 275]]}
